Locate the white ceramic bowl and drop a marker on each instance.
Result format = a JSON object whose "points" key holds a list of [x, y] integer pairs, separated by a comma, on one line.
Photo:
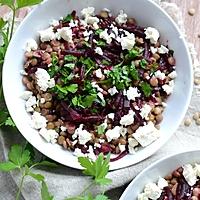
{"points": [[146, 13], [160, 168]]}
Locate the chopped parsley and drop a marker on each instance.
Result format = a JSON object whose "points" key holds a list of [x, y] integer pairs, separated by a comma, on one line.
{"points": [[70, 58], [143, 63], [146, 89], [101, 129], [54, 68], [84, 101], [101, 43], [68, 18]]}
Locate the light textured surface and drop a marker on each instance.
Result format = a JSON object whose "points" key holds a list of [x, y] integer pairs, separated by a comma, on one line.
{"points": [[68, 182]]}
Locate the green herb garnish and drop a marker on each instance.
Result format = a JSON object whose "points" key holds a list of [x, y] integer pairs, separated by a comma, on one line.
{"points": [[68, 18], [146, 89], [143, 63]]}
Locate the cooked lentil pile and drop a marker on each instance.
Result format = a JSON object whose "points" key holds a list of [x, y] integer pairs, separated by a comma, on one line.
{"points": [[181, 184], [98, 83]]}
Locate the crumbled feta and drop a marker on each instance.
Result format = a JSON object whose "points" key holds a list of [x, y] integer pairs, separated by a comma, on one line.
{"points": [[54, 22], [87, 34], [145, 110], [152, 191], [100, 95], [49, 135], [127, 119], [47, 35], [121, 18], [73, 24], [112, 91], [162, 183], [91, 154], [23, 72], [108, 37], [122, 147], [160, 75], [95, 25], [113, 133], [78, 153], [146, 134], [42, 100], [128, 41], [189, 174], [152, 34], [97, 145], [132, 143], [26, 95], [83, 135], [163, 50], [92, 20], [38, 121], [30, 103], [168, 88], [31, 45], [89, 11], [123, 131], [99, 73], [164, 104], [64, 33], [94, 85], [153, 50], [172, 75], [63, 128], [99, 51], [111, 116], [197, 169], [101, 140], [44, 80], [142, 196], [132, 93]]}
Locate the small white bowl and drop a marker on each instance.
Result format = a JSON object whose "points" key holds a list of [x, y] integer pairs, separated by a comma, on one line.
{"points": [[160, 168], [147, 13]]}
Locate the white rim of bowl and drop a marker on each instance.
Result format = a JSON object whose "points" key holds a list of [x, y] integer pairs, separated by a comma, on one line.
{"points": [[152, 166]]}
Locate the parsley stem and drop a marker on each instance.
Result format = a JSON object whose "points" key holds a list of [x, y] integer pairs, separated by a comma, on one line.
{"points": [[86, 189], [20, 186], [13, 24]]}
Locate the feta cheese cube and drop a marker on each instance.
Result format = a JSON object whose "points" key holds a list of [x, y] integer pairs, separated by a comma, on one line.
{"points": [[65, 33], [99, 51], [160, 75], [112, 91], [153, 50], [121, 18], [142, 196], [127, 119], [189, 174], [152, 191], [128, 41], [132, 93], [49, 135], [145, 110], [38, 121], [152, 34], [162, 183], [114, 133], [168, 88], [163, 50], [47, 35], [30, 103], [31, 45], [146, 134], [111, 116], [89, 11], [172, 75], [54, 22], [26, 95], [44, 80]]}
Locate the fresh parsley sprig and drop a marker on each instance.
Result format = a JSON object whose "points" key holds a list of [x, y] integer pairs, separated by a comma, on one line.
{"points": [[98, 171], [23, 159]]}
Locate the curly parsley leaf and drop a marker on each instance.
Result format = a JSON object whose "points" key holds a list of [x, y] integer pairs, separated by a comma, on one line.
{"points": [[96, 169], [45, 192], [146, 89]]}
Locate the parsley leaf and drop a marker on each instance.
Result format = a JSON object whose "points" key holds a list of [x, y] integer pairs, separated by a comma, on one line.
{"points": [[8, 3], [7, 166], [143, 63], [9, 122], [66, 89], [19, 156], [133, 53], [96, 169], [2, 23], [37, 177], [68, 18], [134, 73], [146, 89], [101, 43], [45, 192], [70, 58], [98, 31], [101, 129], [101, 197], [25, 3]]}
